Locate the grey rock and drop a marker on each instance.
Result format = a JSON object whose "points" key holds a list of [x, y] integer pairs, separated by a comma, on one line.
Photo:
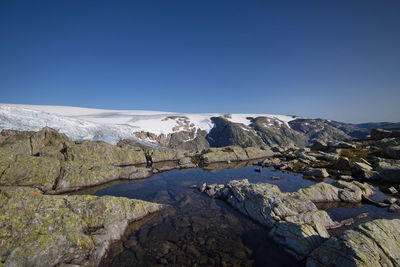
{"points": [[342, 163], [319, 145], [373, 243], [391, 175], [392, 152], [306, 157], [382, 133], [391, 200], [316, 172], [362, 171], [394, 208]]}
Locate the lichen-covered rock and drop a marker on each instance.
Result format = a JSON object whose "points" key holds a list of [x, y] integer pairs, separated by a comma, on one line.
{"points": [[296, 223], [44, 230], [322, 173], [47, 137], [102, 153], [166, 155], [339, 191], [299, 239], [186, 162], [47, 160], [26, 170], [75, 176], [381, 163], [375, 243], [233, 153], [362, 170]]}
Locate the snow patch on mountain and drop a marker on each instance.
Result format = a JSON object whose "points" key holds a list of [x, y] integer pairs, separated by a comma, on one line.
{"points": [[112, 125]]}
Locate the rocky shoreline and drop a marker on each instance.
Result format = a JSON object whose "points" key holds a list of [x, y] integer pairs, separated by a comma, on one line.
{"points": [[40, 227], [35, 167], [295, 222]]}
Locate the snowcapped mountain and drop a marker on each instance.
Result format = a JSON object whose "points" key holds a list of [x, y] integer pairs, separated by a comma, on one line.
{"points": [[175, 130], [111, 125]]}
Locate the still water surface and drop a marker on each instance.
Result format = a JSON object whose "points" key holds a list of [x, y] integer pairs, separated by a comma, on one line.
{"points": [[196, 230]]}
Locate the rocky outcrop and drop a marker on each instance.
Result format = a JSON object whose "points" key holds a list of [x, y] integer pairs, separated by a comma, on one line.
{"points": [[296, 223], [47, 160], [375, 243], [326, 130], [44, 230], [382, 133], [320, 173], [275, 132], [392, 152], [188, 139], [233, 153], [227, 133], [339, 191]]}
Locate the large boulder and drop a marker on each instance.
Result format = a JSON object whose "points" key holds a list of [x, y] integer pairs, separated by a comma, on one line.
{"points": [[342, 163], [233, 153], [44, 230], [375, 243], [392, 152], [102, 153], [339, 191], [362, 170], [26, 170], [382, 133], [381, 163], [391, 175], [166, 155], [319, 145], [227, 133], [75, 176], [296, 224], [316, 172]]}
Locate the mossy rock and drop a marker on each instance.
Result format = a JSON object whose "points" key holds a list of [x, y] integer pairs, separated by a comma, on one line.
{"points": [[44, 230], [233, 153], [102, 153], [26, 170], [375, 243], [166, 155], [77, 175]]}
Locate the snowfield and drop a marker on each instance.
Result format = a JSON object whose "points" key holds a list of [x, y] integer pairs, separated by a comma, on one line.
{"points": [[111, 125]]}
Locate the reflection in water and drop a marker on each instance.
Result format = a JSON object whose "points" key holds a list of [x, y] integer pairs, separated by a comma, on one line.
{"points": [[197, 230]]}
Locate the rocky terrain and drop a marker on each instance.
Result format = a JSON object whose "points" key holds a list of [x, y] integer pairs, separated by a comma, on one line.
{"points": [[48, 230], [295, 222], [35, 167]]}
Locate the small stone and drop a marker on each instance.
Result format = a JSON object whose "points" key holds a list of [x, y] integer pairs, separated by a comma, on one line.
{"points": [[258, 170], [391, 200], [319, 145], [342, 163], [362, 215], [202, 187], [391, 190], [346, 177], [316, 172], [394, 208]]}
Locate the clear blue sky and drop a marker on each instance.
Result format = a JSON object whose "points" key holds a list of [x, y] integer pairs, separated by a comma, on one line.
{"points": [[336, 59]]}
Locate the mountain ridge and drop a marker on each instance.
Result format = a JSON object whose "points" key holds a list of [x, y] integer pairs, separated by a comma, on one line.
{"points": [[187, 131]]}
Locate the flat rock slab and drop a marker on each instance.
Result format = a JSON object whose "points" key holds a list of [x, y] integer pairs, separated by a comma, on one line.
{"points": [[296, 223], [375, 243], [49, 230]]}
